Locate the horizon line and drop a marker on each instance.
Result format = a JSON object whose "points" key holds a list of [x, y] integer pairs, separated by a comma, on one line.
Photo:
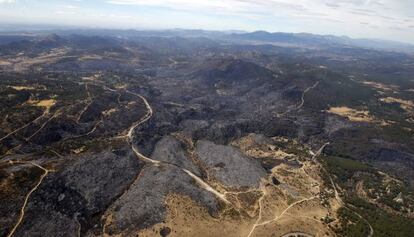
{"points": [[63, 27]]}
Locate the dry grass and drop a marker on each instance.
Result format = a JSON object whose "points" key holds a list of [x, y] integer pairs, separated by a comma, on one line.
{"points": [[381, 87], [108, 112], [43, 103], [90, 57], [23, 62], [79, 150], [352, 114], [250, 148], [20, 88], [4, 63], [294, 206], [187, 218], [294, 224], [406, 105], [121, 86], [92, 78]]}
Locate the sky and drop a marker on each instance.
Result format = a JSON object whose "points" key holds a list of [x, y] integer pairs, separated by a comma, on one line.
{"points": [[382, 19]]}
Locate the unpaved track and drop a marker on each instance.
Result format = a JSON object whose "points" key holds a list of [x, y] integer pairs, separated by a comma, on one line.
{"points": [[371, 230], [130, 137], [22, 210], [281, 214], [302, 103], [339, 199], [36, 132], [297, 234], [46, 112], [258, 223], [57, 113], [263, 188], [319, 152], [206, 186], [90, 100], [88, 133], [287, 209], [304, 93]]}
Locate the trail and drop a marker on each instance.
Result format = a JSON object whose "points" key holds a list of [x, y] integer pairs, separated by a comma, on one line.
{"points": [[207, 187], [22, 210], [143, 157], [36, 132], [318, 153], [86, 134], [93, 129], [304, 93], [90, 99], [87, 105], [44, 124], [263, 188], [130, 137], [56, 153], [29, 138], [305, 217], [147, 116], [339, 199], [302, 103], [79, 228], [287, 209], [297, 234], [281, 214], [371, 230], [173, 62], [25, 126], [8, 152], [341, 202]]}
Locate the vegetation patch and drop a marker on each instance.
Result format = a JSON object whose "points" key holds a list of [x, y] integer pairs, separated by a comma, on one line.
{"points": [[352, 114], [406, 105]]}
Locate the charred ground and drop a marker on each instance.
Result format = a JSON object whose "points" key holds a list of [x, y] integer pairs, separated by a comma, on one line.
{"points": [[266, 139]]}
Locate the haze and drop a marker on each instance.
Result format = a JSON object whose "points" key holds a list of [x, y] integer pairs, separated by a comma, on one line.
{"points": [[385, 19]]}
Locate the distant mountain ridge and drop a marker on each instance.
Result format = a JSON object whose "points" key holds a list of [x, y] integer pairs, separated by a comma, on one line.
{"points": [[281, 38], [307, 39]]}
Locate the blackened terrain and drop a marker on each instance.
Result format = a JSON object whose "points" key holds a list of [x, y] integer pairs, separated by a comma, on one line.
{"points": [[66, 105]]}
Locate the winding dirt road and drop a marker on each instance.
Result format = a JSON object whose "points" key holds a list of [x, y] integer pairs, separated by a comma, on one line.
{"points": [[90, 100], [339, 199], [304, 93], [284, 212], [22, 210], [130, 137], [46, 112], [302, 103], [281, 214], [57, 113], [319, 152]]}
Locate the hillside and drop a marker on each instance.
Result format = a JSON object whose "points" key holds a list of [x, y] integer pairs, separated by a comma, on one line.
{"points": [[175, 135]]}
